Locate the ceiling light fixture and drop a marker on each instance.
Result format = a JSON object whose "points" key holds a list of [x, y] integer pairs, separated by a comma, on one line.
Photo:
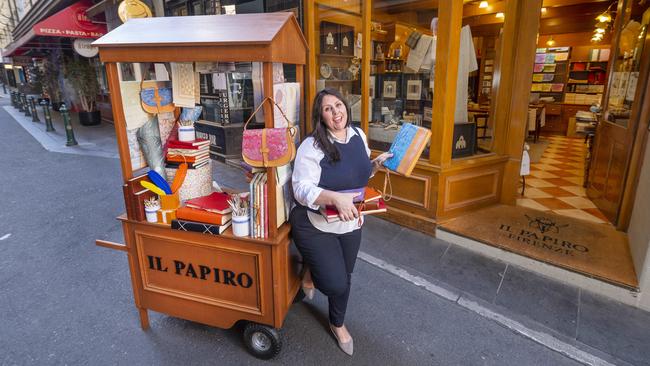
{"points": [[604, 17], [500, 15], [550, 42], [599, 30], [483, 5], [543, 10]]}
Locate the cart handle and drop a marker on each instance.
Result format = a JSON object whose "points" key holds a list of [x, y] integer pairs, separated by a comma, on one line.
{"points": [[111, 245]]}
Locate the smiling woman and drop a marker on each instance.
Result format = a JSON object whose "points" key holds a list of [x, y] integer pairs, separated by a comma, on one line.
{"points": [[330, 163]]}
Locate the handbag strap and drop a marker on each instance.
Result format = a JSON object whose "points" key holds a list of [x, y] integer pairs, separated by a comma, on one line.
{"points": [[261, 105]]}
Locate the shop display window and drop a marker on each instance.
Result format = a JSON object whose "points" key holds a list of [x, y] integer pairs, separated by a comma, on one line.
{"points": [[627, 63], [338, 51], [401, 69]]}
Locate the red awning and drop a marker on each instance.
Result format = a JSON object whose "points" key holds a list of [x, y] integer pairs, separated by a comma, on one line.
{"points": [[70, 22]]}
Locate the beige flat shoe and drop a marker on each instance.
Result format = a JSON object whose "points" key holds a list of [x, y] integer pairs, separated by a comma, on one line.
{"points": [[309, 292], [347, 347]]}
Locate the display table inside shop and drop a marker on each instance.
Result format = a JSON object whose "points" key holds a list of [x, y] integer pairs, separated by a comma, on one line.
{"points": [[214, 279]]}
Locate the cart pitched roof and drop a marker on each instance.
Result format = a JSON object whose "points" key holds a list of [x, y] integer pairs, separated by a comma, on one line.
{"points": [[277, 31]]}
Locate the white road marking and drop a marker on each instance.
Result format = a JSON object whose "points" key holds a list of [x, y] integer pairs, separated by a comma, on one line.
{"points": [[542, 338], [5, 236]]}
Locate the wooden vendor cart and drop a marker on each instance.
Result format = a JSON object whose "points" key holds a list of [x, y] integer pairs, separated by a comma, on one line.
{"points": [[216, 280]]}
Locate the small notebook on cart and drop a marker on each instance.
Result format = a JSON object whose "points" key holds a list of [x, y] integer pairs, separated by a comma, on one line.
{"points": [[407, 148]]}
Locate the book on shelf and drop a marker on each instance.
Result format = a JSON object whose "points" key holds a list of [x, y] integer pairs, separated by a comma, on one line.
{"points": [[199, 215], [331, 214], [199, 227], [406, 148], [214, 202]]}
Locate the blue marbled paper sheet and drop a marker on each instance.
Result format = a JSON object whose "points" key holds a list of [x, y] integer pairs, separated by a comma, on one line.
{"points": [[400, 145]]}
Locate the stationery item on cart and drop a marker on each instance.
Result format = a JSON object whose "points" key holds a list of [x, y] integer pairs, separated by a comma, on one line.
{"points": [[188, 152], [156, 99], [197, 181], [199, 227], [183, 84], [179, 177], [134, 197], [165, 216], [174, 143], [159, 181], [148, 137], [214, 202], [407, 148], [190, 166], [151, 207], [331, 214], [188, 159], [268, 147], [152, 187], [198, 215]]}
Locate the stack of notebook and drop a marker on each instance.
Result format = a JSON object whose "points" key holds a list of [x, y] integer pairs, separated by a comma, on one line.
{"points": [[259, 219], [369, 201], [209, 214], [195, 153]]}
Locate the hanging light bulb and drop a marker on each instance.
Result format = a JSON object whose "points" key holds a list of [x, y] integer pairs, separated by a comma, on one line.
{"points": [[500, 15], [550, 42], [595, 39], [597, 36], [599, 30], [483, 5]]}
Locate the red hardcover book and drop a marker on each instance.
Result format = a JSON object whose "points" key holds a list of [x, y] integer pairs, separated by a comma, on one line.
{"points": [[214, 202], [198, 215], [331, 214], [174, 143]]}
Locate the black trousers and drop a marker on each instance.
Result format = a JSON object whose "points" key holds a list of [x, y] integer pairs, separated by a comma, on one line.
{"points": [[330, 258]]}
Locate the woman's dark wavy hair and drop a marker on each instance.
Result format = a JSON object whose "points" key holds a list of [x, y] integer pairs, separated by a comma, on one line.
{"points": [[320, 134]]}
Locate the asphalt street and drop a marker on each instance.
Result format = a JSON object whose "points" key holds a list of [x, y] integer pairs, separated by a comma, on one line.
{"points": [[66, 301]]}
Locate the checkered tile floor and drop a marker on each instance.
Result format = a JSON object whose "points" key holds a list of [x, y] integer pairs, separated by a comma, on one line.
{"points": [[555, 182]]}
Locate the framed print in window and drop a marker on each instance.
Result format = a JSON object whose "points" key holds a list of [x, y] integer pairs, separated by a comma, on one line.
{"points": [[390, 89], [413, 89]]}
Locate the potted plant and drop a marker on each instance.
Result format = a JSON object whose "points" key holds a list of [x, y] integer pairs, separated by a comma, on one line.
{"points": [[81, 75], [51, 85]]}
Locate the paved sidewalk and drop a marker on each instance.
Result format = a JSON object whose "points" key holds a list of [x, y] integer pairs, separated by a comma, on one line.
{"points": [[92, 140], [579, 324]]}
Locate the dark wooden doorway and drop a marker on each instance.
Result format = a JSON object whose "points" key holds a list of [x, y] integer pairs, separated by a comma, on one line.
{"points": [[614, 157]]}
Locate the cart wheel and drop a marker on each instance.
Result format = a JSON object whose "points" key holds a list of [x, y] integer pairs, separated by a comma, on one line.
{"points": [[299, 296], [262, 341]]}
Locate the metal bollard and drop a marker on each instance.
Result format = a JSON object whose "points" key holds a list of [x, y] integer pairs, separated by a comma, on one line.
{"points": [[32, 104], [68, 126], [21, 105], [4, 88], [13, 99], [28, 109], [48, 117]]}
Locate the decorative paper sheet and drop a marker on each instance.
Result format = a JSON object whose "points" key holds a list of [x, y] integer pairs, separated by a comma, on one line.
{"points": [[183, 84]]}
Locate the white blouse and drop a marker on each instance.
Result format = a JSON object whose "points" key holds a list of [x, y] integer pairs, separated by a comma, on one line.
{"points": [[306, 176]]}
